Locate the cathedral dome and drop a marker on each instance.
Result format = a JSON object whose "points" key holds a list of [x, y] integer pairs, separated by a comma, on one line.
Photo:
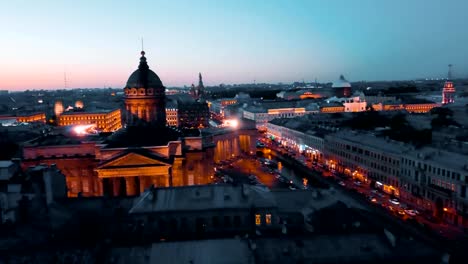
{"points": [[144, 77], [341, 83]]}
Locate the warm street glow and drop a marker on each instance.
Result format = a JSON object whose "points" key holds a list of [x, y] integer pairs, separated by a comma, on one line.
{"points": [[231, 123], [82, 130]]}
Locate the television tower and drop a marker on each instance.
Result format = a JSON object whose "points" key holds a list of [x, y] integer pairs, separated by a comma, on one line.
{"points": [[449, 75]]}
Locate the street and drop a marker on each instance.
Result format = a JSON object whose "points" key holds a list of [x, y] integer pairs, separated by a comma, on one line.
{"points": [[395, 207]]}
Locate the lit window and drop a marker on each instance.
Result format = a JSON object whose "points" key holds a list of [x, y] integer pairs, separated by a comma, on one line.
{"points": [[268, 219], [258, 219]]}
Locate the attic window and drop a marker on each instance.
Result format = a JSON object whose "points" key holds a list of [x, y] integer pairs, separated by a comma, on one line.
{"points": [[258, 219], [268, 219]]}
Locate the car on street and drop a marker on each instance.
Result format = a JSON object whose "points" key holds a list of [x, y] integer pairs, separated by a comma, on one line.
{"points": [[411, 212], [342, 183], [372, 199], [394, 201]]}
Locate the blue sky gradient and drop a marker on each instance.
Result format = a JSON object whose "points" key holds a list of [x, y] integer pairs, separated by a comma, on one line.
{"points": [[98, 42]]}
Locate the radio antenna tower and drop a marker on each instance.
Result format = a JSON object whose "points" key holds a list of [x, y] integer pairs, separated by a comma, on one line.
{"points": [[449, 75], [65, 79]]}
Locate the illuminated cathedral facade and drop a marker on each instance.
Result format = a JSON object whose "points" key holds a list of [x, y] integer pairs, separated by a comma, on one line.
{"points": [[144, 153]]}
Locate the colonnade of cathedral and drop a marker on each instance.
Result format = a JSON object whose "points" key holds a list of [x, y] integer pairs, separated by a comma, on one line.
{"points": [[129, 186], [139, 111]]}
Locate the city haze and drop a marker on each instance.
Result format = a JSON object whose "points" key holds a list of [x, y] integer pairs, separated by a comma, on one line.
{"points": [[95, 43]]}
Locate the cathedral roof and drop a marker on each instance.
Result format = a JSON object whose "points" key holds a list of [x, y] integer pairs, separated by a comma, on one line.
{"points": [[140, 136], [143, 77]]}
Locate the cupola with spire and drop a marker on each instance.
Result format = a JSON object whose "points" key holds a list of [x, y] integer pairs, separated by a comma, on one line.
{"points": [[145, 96]]}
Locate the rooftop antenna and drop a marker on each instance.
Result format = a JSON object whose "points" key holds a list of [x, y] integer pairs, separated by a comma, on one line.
{"points": [[449, 75], [65, 79], [142, 46]]}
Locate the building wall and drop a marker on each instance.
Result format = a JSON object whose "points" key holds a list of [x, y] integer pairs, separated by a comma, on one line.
{"points": [[420, 108], [171, 117], [412, 108], [262, 118], [332, 109], [79, 162], [38, 117], [436, 185], [421, 176], [363, 162], [232, 143], [193, 115], [358, 106], [310, 145], [218, 106], [107, 122]]}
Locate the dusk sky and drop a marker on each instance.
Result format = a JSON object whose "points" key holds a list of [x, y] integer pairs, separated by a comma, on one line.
{"points": [[97, 43]]}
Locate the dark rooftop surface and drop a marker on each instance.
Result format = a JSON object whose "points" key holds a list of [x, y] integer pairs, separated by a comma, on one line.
{"points": [[138, 136], [301, 124], [91, 111], [61, 139]]}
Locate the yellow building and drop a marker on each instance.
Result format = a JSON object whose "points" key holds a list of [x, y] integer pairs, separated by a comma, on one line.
{"points": [[29, 118], [332, 108], [107, 121]]}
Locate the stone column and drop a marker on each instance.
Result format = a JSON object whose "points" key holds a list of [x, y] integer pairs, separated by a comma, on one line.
{"points": [[166, 178], [100, 187], [169, 177], [115, 187], [130, 185], [132, 114], [154, 181], [140, 111], [142, 184]]}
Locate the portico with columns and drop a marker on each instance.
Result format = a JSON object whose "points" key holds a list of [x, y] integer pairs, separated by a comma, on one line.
{"points": [[131, 173]]}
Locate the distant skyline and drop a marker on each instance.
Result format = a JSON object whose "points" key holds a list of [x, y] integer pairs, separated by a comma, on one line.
{"points": [[97, 43]]}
